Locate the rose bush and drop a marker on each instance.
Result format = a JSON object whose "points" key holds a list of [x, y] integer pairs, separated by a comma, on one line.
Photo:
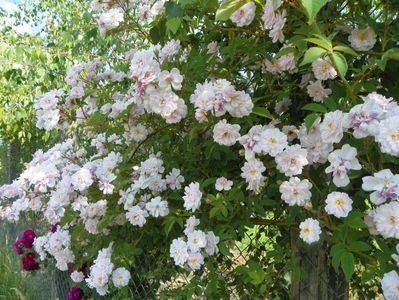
{"points": [[224, 116]]}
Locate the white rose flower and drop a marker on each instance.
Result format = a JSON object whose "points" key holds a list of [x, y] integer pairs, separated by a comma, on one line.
{"points": [[296, 191], [333, 126], [244, 15], [225, 133], [196, 240], [121, 277], [310, 231], [292, 160], [77, 276], [362, 39], [192, 196], [157, 208], [190, 225], [82, 179], [273, 141], [384, 184], [390, 285], [222, 184], [388, 135], [338, 204], [179, 252], [386, 220], [342, 161], [252, 173], [195, 260], [137, 216], [317, 91], [323, 69]]}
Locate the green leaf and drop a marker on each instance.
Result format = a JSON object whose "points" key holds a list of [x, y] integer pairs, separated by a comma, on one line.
{"points": [[345, 49], [226, 9], [355, 220], [311, 55], [87, 16], [391, 54], [359, 246], [312, 7], [330, 103], [285, 51], [173, 24], [309, 120], [224, 250], [316, 107], [322, 42], [172, 10], [263, 112], [336, 260], [348, 264], [340, 63], [208, 182]]}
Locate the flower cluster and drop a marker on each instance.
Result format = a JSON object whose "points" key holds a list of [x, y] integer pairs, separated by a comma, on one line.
{"points": [[274, 20], [123, 169], [23, 243], [190, 251], [218, 97], [103, 270]]}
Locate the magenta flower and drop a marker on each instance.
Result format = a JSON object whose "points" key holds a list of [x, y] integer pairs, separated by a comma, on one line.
{"points": [[54, 227], [28, 236], [75, 293], [29, 262], [18, 246]]}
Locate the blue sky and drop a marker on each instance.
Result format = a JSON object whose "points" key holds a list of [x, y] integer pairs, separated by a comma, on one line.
{"points": [[10, 6]]}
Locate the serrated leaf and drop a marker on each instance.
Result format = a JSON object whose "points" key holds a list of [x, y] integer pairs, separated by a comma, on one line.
{"points": [[345, 49], [340, 63], [312, 54], [226, 9], [263, 112], [309, 120], [348, 264], [173, 24], [312, 7], [316, 107]]}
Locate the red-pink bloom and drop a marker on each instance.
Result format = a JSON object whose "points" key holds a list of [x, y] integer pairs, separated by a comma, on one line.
{"points": [[75, 293], [28, 236], [29, 262], [18, 246], [54, 227]]}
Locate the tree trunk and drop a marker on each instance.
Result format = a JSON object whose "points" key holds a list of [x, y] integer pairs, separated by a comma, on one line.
{"points": [[320, 281]]}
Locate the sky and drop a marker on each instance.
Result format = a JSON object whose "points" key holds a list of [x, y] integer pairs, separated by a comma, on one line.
{"points": [[11, 6]]}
